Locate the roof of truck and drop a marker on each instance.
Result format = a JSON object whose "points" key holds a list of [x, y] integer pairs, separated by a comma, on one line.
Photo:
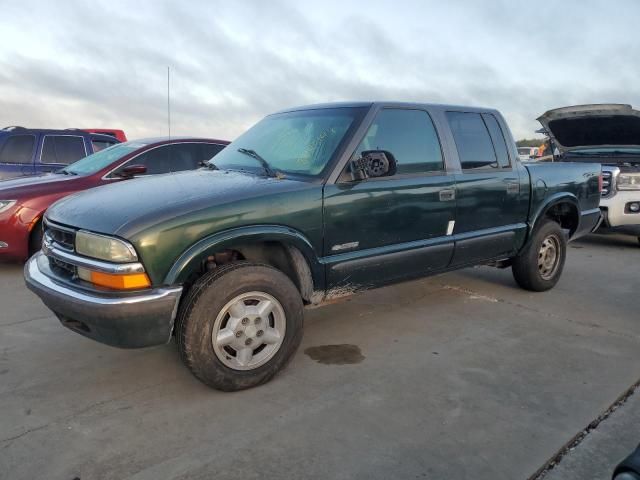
{"points": [[438, 106]]}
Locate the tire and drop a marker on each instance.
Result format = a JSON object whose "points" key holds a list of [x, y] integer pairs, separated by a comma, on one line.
{"points": [[533, 272], [213, 338], [35, 239]]}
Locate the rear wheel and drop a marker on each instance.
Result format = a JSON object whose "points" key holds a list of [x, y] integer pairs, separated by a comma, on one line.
{"points": [[240, 325], [539, 266]]}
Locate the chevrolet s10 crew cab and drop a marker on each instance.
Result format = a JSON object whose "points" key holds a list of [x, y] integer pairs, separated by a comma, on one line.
{"points": [[310, 203]]}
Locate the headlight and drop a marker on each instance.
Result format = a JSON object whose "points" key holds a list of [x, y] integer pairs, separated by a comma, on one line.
{"points": [[6, 205], [104, 248], [629, 181]]}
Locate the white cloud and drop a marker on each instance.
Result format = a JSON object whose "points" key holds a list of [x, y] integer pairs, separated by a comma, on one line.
{"points": [[74, 63]]}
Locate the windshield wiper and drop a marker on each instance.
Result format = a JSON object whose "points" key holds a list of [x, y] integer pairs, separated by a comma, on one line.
{"points": [[66, 172], [265, 165]]}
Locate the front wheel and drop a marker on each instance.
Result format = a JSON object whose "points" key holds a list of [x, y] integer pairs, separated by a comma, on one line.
{"points": [[239, 325], [539, 266]]}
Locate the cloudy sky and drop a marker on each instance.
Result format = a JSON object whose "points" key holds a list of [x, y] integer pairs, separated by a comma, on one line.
{"points": [[104, 63]]}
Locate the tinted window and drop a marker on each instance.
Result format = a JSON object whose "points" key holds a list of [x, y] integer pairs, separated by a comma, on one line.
{"points": [[410, 136], [210, 150], [101, 144], [18, 149], [157, 160], [189, 156], [63, 149], [473, 142], [497, 137]]}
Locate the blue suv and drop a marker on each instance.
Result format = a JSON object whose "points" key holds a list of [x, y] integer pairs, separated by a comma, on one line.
{"points": [[29, 151]]}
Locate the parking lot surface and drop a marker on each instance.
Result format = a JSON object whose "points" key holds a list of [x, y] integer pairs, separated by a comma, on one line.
{"points": [[461, 375]]}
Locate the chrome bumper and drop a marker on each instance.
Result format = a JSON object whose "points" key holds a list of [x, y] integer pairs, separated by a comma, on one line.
{"points": [[126, 320]]}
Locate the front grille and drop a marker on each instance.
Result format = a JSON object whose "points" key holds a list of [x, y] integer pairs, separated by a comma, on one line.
{"points": [[62, 238], [607, 183]]}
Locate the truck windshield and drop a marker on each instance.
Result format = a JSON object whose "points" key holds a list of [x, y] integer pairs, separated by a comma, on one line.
{"points": [[93, 163], [300, 143]]}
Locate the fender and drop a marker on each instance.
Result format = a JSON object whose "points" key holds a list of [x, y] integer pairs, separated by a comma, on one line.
{"points": [[547, 203], [189, 260]]}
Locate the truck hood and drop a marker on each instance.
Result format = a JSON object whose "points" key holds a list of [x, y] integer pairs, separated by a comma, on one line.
{"points": [[21, 187], [127, 208], [588, 126]]}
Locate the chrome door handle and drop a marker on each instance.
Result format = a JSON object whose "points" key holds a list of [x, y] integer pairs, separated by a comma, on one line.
{"points": [[447, 195], [513, 187]]}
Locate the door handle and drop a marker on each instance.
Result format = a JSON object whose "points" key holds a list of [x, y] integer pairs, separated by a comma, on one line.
{"points": [[447, 195], [513, 188]]}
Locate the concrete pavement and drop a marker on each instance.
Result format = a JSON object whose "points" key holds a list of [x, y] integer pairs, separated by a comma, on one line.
{"points": [[463, 375]]}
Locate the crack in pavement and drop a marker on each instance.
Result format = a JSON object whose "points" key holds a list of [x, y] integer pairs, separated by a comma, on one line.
{"points": [[475, 295], [578, 438], [82, 411], [24, 321]]}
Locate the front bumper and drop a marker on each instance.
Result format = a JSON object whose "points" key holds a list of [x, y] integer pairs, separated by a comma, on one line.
{"points": [[128, 320], [614, 210]]}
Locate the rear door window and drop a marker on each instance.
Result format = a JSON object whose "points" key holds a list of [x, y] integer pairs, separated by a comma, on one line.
{"points": [[62, 149], [473, 142], [18, 149], [497, 137]]}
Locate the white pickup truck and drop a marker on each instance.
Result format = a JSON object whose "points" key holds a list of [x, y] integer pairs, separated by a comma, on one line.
{"points": [[608, 134]]}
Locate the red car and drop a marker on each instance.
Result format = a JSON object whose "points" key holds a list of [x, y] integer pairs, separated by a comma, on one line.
{"points": [[119, 134], [24, 200]]}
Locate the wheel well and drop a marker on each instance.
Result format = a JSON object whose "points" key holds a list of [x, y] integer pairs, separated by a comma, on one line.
{"points": [[566, 214], [286, 258], [36, 229]]}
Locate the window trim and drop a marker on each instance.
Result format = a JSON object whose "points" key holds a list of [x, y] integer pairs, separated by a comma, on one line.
{"points": [[341, 179], [504, 139], [44, 138], [33, 145], [483, 170], [107, 176]]}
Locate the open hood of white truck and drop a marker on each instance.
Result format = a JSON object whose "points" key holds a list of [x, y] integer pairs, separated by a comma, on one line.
{"points": [[596, 125]]}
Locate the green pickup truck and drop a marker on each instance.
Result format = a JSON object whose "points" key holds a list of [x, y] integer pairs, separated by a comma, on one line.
{"points": [[310, 204]]}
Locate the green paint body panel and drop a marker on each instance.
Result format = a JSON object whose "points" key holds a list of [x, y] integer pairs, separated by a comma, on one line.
{"points": [[353, 235]]}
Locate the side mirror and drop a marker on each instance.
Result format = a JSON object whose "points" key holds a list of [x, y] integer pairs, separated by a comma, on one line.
{"points": [[373, 164], [131, 171]]}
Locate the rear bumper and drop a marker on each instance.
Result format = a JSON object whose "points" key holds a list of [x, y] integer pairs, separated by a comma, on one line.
{"points": [[589, 221], [128, 320]]}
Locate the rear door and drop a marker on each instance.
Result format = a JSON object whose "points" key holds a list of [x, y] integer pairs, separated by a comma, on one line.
{"points": [[16, 155], [491, 207], [380, 230], [58, 151]]}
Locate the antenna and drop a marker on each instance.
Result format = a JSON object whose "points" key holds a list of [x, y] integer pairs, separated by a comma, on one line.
{"points": [[168, 104]]}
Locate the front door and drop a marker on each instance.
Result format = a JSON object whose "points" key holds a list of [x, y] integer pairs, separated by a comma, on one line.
{"points": [[492, 205], [379, 230]]}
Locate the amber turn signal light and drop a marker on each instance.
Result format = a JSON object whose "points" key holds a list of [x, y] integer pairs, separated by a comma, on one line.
{"points": [[127, 281]]}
